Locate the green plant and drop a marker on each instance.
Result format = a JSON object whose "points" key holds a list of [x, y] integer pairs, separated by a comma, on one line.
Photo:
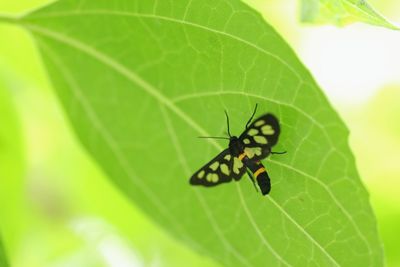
{"points": [[342, 12], [139, 82]]}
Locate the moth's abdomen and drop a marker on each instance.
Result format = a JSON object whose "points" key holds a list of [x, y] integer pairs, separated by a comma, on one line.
{"points": [[261, 176], [263, 181], [259, 173]]}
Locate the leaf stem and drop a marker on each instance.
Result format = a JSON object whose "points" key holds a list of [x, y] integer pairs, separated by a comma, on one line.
{"points": [[8, 19]]}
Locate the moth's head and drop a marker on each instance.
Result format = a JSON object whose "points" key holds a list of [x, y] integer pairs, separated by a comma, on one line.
{"points": [[234, 141], [235, 145], [233, 138]]}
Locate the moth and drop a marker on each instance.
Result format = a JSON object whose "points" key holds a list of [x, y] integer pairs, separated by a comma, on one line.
{"points": [[244, 154]]}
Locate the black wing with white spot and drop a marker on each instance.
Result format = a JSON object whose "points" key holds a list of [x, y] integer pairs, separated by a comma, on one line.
{"points": [[260, 136], [221, 169]]}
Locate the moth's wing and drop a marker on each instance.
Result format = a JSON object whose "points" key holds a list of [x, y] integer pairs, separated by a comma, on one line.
{"points": [[221, 169], [237, 168], [260, 136]]}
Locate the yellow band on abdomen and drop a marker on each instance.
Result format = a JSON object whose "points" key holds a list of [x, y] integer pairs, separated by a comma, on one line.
{"points": [[241, 156], [260, 170]]}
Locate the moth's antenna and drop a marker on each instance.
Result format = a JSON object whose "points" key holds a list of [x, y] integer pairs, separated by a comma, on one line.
{"points": [[213, 137], [251, 118], [227, 122], [283, 152]]}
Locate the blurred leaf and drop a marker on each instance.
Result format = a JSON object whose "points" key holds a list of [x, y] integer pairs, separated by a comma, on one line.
{"points": [[378, 120], [384, 109], [3, 259], [141, 79], [342, 12], [11, 171]]}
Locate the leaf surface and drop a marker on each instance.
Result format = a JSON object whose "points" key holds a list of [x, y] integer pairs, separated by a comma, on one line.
{"points": [[140, 80], [342, 12]]}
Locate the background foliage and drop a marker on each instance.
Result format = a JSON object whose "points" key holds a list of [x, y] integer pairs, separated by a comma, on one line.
{"points": [[70, 222], [341, 12]]}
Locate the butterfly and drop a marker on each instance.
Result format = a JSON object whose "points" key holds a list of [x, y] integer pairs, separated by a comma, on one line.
{"points": [[244, 154]]}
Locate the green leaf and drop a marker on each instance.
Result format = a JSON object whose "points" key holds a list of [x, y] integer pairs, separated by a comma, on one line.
{"points": [[342, 12], [140, 80]]}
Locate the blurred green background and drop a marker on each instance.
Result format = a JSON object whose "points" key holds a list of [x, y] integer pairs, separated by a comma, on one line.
{"points": [[52, 193]]}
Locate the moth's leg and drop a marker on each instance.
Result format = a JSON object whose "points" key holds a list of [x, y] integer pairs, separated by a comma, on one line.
{"points": [[252, 179], [279, 153]]}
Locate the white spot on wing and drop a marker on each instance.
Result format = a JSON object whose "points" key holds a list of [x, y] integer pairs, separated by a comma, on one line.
{"points": [[267, 130], [214, 166], [212, 177], [252, 132], [200, 175], [259, 123], [249, 152], [237, 164], [257, 151], [224, 169], [260, 139]]}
